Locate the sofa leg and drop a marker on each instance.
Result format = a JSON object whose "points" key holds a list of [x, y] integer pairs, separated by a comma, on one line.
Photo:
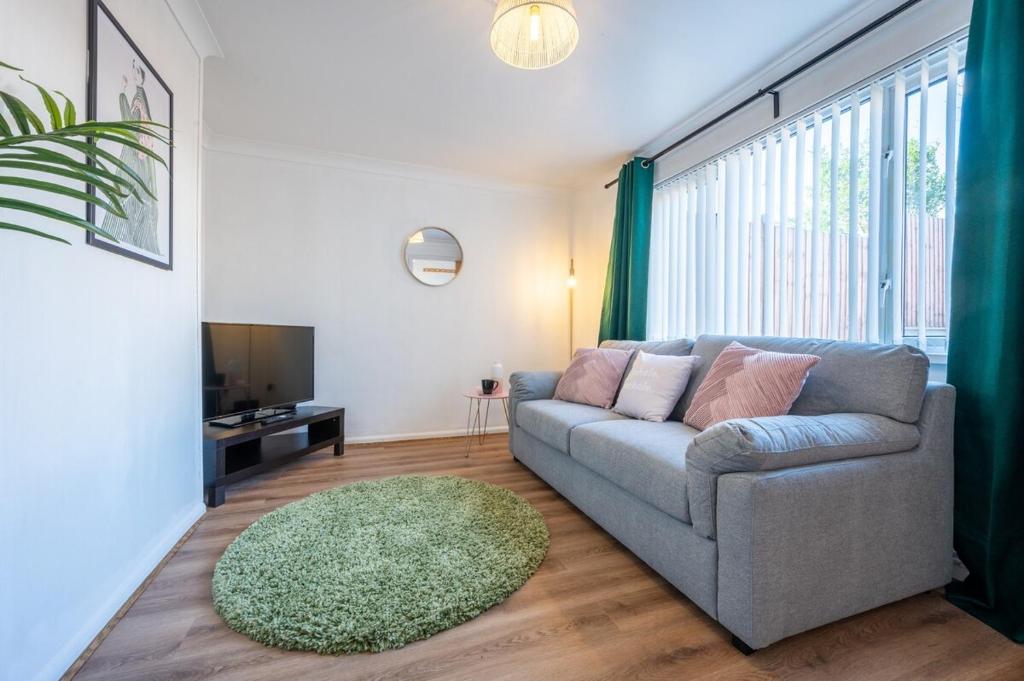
{"points": [[739, 645]]}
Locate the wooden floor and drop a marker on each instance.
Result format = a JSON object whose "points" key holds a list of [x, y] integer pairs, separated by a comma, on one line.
{"points": [[592, 611]]}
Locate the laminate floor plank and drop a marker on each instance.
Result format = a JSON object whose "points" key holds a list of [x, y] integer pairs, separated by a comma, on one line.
{"points": [[593, 611]]}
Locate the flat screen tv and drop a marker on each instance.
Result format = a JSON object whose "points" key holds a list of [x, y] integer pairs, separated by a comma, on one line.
{"points": [[251, 367]]}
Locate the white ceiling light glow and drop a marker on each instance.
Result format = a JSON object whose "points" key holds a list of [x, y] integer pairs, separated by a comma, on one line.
{"points": [[534, 34]]}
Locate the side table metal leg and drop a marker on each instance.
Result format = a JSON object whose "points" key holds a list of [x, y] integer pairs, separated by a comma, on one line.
{"points": [[487, 418], [469, 433], [508, 422], [476, 420]]}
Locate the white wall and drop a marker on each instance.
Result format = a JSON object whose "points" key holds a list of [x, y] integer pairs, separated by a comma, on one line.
{"points": [[293, 236], [593, 208], [99, 408]]}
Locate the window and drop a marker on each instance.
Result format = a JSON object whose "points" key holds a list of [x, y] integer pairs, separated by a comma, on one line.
{"points": [[929, 192], [815, 227]]}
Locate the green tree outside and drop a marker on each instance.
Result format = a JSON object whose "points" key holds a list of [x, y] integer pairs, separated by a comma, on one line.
{"points": [[935, 181]]}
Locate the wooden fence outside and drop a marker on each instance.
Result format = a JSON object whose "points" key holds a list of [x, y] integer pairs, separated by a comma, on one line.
{"points": [[935, 278]]}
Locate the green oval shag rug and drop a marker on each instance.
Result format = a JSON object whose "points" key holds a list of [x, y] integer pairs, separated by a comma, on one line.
{"points": [[376, 565]]}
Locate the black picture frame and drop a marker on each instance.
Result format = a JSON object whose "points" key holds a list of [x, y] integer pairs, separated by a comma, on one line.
{"points": [[94, 8]]}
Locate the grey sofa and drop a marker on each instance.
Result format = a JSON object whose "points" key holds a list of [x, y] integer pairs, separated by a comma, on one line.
{"points": [[775, 525]]}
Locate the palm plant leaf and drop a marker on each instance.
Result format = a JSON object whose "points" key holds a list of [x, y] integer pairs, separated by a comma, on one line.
{"points": [[140, 126], [69, 109], [24, 116], [85, 172], [109, 190], [53, 213], [41, 185], [94, 152], [48, 101], [124, 141], [28, 230], [90, 150], [14, 106], [27, 144], [129, 130]]}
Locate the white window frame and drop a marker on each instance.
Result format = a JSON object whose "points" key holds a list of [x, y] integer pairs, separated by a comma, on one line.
{"points": [[894, 85]]}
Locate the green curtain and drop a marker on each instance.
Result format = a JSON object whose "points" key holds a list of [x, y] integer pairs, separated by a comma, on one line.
{"points": [[986, 359], [624, 311]]}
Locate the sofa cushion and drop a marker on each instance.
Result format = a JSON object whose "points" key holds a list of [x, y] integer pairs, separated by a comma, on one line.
{"points": [[653, 386], [593, 377], [551, 421], [747, 383], [868, 378], [644, 458], [771, 443], [677, 346]]}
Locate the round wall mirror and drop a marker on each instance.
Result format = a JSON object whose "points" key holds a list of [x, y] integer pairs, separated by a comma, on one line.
{"points": [[433, 256]]}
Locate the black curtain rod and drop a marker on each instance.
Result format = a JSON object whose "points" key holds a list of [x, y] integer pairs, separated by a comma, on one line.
{"points": [[772, 88]]}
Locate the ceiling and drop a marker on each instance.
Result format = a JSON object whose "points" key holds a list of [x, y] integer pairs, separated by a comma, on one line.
{"points": [[415, 81]]}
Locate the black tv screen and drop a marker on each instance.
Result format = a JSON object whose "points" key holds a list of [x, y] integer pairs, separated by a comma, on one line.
{"points": [[255, 366]]}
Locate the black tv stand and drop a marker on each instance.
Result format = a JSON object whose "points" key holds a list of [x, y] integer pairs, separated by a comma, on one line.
{"points": [[251, 417], [233, 454]]}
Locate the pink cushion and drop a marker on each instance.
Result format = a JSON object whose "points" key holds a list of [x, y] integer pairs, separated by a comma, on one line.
{"points": [[747, 383], [593, 376]]}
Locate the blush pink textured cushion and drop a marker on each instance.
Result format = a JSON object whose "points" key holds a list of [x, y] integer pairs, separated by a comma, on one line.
{"points": [[747, 383], [593, 376]]}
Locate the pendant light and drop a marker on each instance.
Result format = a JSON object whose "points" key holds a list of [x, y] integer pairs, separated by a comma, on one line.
{"points": [[534, 34]]}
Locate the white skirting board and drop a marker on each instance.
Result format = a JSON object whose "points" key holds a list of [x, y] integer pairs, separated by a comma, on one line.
{"points": [[397, 437], [136, 574]]}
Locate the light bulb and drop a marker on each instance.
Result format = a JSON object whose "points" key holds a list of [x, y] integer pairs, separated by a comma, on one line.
{"points": [[534, 23], [571, 282]]}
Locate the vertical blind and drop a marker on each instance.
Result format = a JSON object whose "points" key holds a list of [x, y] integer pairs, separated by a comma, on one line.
{"points": [[758, 240]]}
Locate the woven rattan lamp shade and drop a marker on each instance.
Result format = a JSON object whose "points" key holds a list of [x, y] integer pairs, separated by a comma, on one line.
{"points": [[534, 35]]}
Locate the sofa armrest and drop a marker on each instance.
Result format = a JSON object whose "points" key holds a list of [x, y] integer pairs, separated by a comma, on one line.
{"points": [[772, 443], [532, 385], [801, 547], [524, 386]]}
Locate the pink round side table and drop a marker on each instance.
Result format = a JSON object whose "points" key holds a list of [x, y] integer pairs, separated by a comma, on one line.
{"points": [[476, 426]]}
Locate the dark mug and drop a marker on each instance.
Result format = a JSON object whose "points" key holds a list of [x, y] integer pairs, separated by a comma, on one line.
{"points": [[488, 386]]}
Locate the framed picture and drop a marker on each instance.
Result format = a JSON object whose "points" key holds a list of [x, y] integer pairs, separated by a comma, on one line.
{"points": [[123, 85]]}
